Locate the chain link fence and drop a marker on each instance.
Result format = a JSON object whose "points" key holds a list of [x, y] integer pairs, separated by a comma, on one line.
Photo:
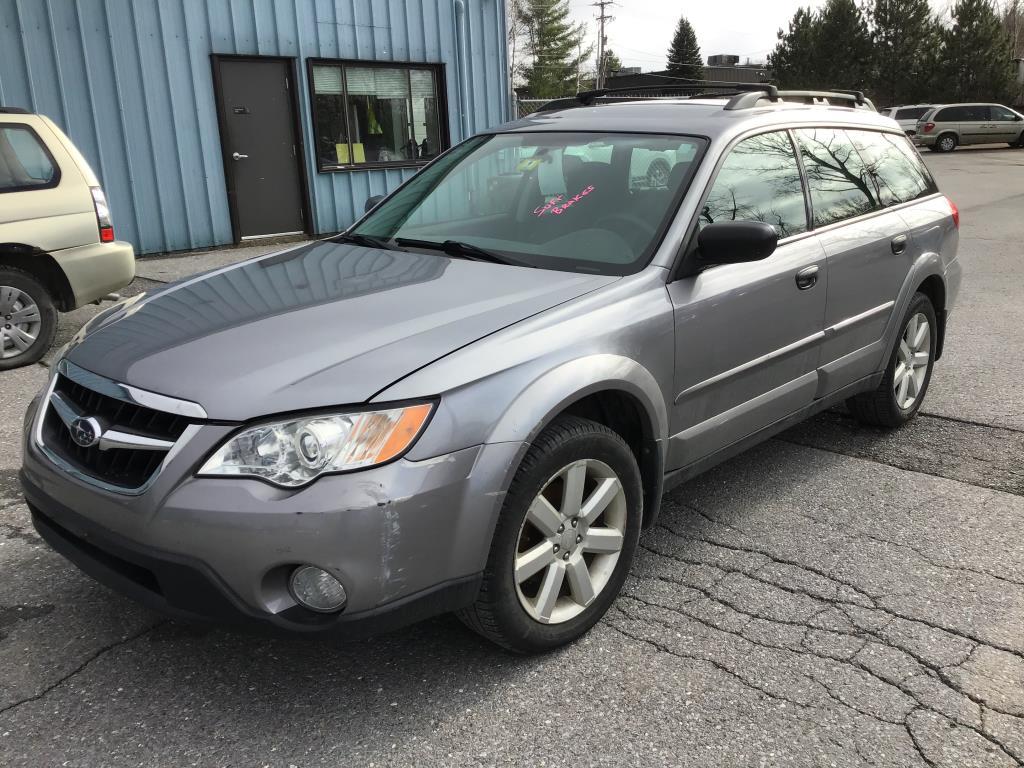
{"points": [[526, 107]]}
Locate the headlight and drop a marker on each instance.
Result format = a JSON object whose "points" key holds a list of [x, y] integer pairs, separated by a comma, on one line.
{"points": [[296, 452]]}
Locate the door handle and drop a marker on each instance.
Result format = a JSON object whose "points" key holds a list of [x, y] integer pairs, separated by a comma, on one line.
{"points": [[807, 277], [237, 156], [899, 244]]}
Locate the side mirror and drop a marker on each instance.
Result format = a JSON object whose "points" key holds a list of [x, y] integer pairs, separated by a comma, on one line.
{"points": [[735, 242], [371, 202], [1017, 118]]}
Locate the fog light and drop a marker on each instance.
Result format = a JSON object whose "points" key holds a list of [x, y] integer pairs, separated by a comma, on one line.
{"points": [[316, 589]]}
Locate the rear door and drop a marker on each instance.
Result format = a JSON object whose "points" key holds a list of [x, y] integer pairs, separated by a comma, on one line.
{"points": [[975, 124], [748, 335], [854, 177]]}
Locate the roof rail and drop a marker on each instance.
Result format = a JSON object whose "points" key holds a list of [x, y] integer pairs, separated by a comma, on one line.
{"points": [[682, 86], [14, 111], [850, 98]]}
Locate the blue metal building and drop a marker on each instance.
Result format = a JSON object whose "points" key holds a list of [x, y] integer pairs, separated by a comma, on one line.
{"points": [[208, 121]]}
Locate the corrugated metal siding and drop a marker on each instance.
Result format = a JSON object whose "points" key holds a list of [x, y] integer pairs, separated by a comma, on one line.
{"points": [[130, 81]]}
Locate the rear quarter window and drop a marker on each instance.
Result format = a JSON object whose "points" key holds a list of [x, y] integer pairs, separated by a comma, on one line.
{"points": [[25, 163], [894, 167]]}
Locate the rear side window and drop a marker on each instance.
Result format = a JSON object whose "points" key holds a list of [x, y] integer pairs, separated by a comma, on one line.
{"points": [[24, 162], [897, 172], [912, 113], [963, 114], [840, 184], [759, 181]]}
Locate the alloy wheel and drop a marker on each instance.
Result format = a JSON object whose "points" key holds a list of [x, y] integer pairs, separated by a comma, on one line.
{"points": [[20, 322], [570, 541], [912, 358], [947, 143]]}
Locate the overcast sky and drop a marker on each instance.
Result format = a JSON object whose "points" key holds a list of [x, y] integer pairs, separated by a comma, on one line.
{"points": [[642, 29]]}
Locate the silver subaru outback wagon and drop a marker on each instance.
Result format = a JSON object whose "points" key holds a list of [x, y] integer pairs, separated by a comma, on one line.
{"points": [[475, 398]]}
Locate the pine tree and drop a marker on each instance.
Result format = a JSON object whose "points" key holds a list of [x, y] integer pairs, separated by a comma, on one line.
{"points": [[905, 35], [976, 55], [684, 59], [793, 60], [843, 47], [555, 47]]}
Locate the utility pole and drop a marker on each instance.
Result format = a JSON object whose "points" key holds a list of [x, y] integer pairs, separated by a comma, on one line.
{"points": [[602, 40]]}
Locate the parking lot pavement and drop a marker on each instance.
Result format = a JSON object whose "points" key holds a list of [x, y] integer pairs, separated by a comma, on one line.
{"points": [[835, 597]]}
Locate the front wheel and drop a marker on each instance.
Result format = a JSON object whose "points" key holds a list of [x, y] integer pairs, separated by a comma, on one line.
{"points": [[898, 398], [565, 539]]}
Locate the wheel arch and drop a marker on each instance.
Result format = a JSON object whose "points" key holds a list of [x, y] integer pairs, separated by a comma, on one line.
{"points": [[43, 267], [611, 390], [934, 287]]}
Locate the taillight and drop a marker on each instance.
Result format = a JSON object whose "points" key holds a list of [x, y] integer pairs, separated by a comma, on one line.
{"points": [[106, 226], [955, 211], [928, 127]]}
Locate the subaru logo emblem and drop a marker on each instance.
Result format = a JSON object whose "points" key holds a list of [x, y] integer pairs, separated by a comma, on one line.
{"points": [[85, 431]]}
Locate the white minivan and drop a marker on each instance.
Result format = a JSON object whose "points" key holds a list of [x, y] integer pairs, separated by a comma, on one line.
{"points": [[57, 244]]}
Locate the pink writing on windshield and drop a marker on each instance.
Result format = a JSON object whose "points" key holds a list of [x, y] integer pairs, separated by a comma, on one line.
{"points": [[556, 205]]}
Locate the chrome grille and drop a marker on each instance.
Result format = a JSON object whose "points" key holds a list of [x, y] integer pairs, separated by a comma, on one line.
{"points": [[120, 467]]}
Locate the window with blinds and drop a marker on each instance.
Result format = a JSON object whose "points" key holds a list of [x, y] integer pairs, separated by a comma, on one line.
{"points": [[374, 114]]}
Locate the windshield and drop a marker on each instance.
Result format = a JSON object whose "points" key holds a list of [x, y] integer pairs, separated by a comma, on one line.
{"points": [[585, 202]]}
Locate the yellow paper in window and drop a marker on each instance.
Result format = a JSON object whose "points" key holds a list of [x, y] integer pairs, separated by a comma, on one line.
{"points": [[358, 153]]}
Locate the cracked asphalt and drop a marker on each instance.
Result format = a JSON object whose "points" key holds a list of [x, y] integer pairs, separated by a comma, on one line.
{"points": [[835, 597]]}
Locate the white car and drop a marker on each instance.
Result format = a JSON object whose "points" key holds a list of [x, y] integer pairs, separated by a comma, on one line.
{"points": [[908, 116]]}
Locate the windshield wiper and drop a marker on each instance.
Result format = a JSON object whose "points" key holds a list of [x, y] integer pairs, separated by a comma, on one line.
{"points": [[368, 241], [457, 248]]}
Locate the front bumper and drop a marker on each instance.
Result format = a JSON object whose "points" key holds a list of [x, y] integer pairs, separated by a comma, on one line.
{"points": [[407, 540]]}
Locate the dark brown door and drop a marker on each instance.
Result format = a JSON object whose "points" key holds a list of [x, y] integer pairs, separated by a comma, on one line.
{"points": [[261, 149]]}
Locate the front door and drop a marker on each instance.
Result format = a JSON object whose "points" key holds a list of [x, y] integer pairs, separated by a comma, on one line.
{"points": [[1005, 125], [260, 146], [748, 336]]}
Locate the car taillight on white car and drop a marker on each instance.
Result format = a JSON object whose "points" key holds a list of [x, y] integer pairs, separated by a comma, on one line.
{"points": [[99, 201], [955, 212], [928, 128]]}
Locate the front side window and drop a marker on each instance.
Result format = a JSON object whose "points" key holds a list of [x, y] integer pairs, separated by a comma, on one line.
{"points": [[898, 174], [370, 115], [24, 162], [567, 201], [1002, 114], [759, 181], [840, 185]]}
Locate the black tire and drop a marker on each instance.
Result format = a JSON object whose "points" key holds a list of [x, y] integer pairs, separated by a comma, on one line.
{"points": [[47, 324], [881, 408], [497, 613], [947, 142]]}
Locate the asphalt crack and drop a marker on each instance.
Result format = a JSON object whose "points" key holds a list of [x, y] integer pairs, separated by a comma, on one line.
{"points": [[100, 652]]}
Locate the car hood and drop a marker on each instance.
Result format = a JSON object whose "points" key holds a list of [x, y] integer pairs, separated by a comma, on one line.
{"points": [[320, 325]]}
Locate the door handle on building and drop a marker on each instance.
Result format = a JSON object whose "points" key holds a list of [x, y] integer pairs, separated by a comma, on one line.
{"points": [[239, 157]]}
